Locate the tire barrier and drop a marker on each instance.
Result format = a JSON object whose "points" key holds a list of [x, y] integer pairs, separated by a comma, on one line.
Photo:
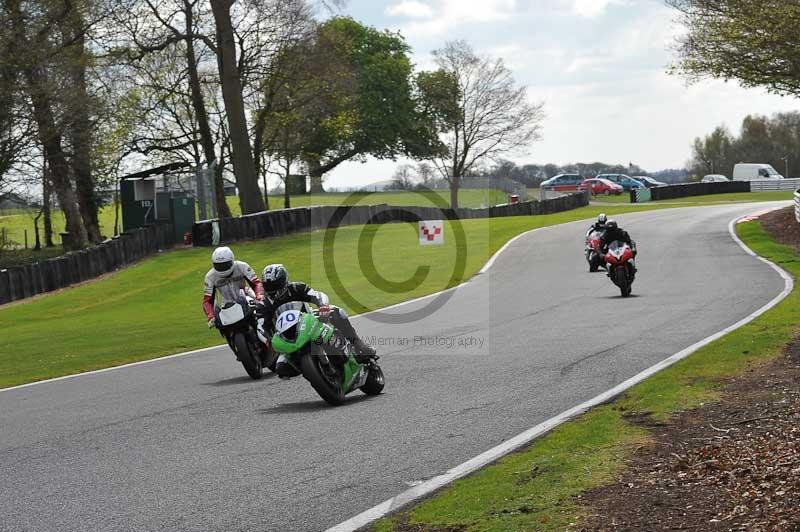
{"points": [[297, 220], [692, 189], [21, 282]]}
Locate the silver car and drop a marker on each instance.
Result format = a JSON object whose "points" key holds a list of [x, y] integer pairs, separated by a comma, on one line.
{"points": [[714, 178]]}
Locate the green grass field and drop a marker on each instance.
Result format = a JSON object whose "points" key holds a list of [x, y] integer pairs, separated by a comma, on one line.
{"points": [[16, 222], [538, 488]]}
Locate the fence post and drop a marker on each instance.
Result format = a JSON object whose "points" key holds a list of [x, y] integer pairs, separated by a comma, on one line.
{"points": [[5, 287]]}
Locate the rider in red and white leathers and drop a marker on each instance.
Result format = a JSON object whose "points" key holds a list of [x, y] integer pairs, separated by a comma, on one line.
{"points": [[227, 281]]}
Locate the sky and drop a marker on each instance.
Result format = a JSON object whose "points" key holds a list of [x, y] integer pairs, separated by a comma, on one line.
{"points": [[599, 67]]}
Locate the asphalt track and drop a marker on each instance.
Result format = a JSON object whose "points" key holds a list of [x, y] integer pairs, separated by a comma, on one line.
{"points": [[189, 443]]}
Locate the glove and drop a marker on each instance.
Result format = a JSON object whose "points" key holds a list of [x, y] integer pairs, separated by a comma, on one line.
{"points": [[211, 323], [324, 311]]}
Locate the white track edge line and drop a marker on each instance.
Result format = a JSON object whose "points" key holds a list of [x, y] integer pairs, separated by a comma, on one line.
{"points": [[429, 486]]}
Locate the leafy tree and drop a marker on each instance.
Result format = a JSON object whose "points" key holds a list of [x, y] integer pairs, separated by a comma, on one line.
{"points": [[713, 154], [773, 140], [36, 44], [752, 41], [354, 98]]}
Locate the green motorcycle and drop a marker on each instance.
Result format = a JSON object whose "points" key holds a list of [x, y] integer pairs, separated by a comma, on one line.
{"points": [[310, 346]]}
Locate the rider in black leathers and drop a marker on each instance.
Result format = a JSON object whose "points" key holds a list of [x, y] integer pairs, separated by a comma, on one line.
{"points": [[613, 232], [279, 291]]}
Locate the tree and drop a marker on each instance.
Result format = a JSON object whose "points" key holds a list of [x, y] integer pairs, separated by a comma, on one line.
{"points": [[298, 77], [16, 130], [242, 155], [176, 29], [79, 107], [773, 140], [752, 41], [426, 174], [713, 154], [481, 115], [33, 48], [357, 98], [403, 178]]}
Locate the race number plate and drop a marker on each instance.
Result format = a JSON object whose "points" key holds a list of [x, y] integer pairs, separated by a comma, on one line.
{"points": [[286, 320]]}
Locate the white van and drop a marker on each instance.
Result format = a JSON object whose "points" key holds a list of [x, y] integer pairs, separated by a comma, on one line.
{"points": [[754, 172]]}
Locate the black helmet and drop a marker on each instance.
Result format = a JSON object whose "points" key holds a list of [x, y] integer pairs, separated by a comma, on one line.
{"points": [[611, 224], [276, 280], [602, 218]]}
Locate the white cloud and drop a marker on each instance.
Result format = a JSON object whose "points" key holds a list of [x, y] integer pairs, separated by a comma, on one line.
{"points": [[478, 10], [450, 14], [410, 9], [590, 8]]}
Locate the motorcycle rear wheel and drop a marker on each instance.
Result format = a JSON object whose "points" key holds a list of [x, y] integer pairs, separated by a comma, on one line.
{"points": [[622, 281], [251, 363], [331, 392]]}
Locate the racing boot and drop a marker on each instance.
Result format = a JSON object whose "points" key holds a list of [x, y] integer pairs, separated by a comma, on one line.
{"points": [[364, 351]]}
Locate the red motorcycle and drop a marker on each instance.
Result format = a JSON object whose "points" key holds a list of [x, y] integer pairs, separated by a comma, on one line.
{"points": [[621, 266], [593, 251]]}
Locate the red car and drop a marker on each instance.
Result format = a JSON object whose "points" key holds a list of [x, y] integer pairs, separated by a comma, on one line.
{"points": [[600, 186]]}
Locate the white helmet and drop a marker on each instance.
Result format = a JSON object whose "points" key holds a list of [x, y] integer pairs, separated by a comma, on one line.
{"points": [[223, 259]]}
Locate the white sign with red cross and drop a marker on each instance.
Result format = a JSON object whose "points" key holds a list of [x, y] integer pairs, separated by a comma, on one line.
{"points": [[431, 233]]}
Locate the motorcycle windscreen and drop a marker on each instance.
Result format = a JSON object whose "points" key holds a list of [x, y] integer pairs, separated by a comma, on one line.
{"points": [[286, 318], [231, 314], [617, 247]]}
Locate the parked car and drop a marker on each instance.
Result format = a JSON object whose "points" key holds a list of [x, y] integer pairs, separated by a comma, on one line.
{"points": [[714, 178], [754, 172], [626, 182], [648, 181], [563, 182], [600, 186]]}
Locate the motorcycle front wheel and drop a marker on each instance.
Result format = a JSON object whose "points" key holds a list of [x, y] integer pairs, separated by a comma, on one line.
{"points": [[594, 262], [321, 378], [622, 281], [251, 363], [375, 381]]}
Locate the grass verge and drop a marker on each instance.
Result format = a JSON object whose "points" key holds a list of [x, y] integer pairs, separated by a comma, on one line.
{"points": [[539, 487]]}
